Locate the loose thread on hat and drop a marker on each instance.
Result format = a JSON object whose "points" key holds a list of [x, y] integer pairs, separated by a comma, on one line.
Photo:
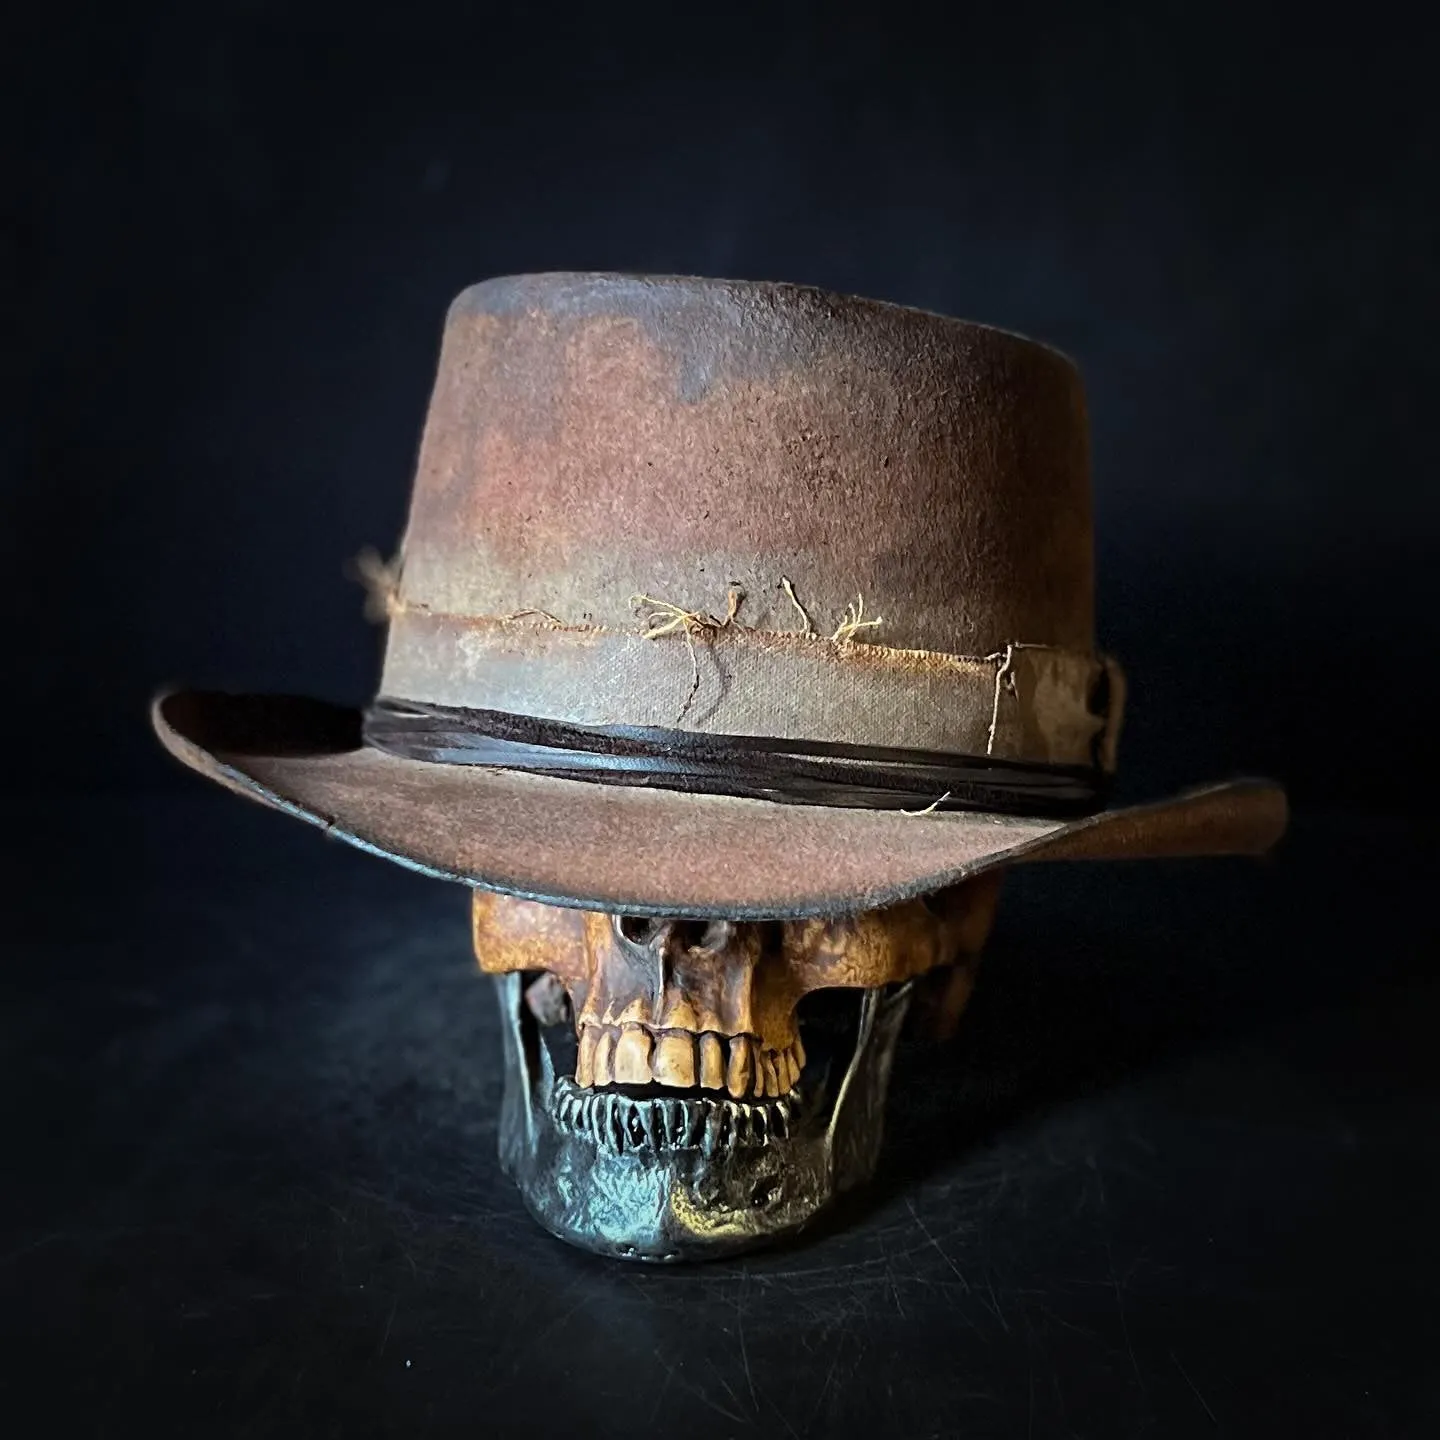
{"points": [[854, 621], [789, 589], [533, 610], [1004, 677], [666, 618], [381, 579], [931, 808]]}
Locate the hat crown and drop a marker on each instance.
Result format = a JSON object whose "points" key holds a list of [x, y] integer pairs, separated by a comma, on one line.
{"points": [[594, 437]]}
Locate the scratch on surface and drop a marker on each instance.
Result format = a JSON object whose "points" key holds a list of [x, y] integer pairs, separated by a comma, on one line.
{"points": [[563, 1317], [21, 1251], [1124, 1322], [1195, 1389], [385, 1338], [895, 1292], [995, 1304], [740, 1325], [715, 1405], [944, 1254], [824, 1390], [1056, 1318], [665, 1388]]}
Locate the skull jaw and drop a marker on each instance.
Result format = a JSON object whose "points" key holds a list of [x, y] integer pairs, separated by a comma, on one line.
{"points": [[665, 1205]]}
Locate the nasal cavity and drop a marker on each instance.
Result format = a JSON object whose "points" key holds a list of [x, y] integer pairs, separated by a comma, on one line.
{"points": [[649, 932]]}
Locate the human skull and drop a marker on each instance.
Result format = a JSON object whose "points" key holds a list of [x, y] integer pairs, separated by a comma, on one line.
{"points": [[679, 1089]]}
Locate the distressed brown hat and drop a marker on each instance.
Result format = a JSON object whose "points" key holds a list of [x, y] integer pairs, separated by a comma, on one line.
{"points": [[723, 598]]}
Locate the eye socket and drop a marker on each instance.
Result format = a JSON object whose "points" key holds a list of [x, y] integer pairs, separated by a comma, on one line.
{"points": [[646, 930], [638, 929]]}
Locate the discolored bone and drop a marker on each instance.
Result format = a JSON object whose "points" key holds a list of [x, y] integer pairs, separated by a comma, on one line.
{"points": [[728, 978], [740, 1071], [712, 1061], [714, 1144], [548, 1001]]}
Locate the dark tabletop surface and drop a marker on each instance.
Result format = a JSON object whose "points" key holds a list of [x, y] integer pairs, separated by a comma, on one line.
{"points": [[1177, 1174]]}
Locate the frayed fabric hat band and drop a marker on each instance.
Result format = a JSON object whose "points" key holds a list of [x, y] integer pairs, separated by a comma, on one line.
{"points": [[711, 676]]}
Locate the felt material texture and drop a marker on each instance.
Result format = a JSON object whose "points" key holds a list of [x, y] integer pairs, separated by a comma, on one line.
{"points": [[595, 437], [656, 851], [631, 492]]}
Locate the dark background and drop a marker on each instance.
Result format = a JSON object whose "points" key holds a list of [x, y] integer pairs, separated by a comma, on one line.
{"points": [[241, 1064]]}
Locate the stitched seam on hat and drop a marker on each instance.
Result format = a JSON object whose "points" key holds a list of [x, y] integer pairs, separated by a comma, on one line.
{"points": [[737, 633]]}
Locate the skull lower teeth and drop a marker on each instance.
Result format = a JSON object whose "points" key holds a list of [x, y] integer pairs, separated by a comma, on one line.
{"points": [[625, 1123]]}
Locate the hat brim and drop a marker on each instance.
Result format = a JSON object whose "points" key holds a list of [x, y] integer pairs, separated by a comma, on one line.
{"points": [[619, 848]]}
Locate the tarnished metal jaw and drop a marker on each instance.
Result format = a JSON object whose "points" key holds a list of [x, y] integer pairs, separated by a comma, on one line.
{"points": [[666, 1178]]}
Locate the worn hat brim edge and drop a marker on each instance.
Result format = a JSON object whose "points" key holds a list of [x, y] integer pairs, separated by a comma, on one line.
{"points": [[526, 835]]}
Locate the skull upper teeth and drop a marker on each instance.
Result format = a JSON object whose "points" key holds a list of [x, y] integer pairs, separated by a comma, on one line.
{"points": [[714, 1126], [681, 1059]]}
